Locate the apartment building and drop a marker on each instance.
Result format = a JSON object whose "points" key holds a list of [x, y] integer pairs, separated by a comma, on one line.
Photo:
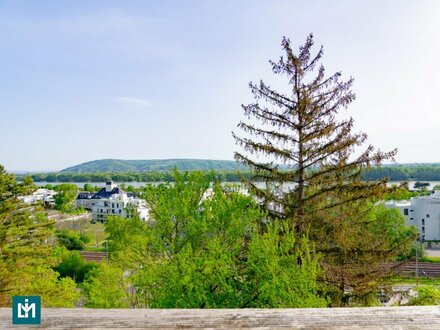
{"points": [[423, 212]]}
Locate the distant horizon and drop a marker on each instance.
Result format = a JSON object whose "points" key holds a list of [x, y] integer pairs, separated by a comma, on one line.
{"points": [[25, 171]]}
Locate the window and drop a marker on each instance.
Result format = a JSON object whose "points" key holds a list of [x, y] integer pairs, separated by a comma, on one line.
{"points": [[411, 210], [411, 218], [423, 229], [113, 205], [120, 211], [423, 222], [405, 211], [427, 215]]}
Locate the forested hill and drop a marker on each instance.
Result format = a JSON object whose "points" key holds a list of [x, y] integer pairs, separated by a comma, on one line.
{"points": [[159, 170], [120, 165]]}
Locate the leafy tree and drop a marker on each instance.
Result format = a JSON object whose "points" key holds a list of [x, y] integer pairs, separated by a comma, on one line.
{"points": [[106, 287], [203, 250], [88, 187], [330, 202], [65, 197], [279, 276], [26, 255], [41, 280], [400, 193]]}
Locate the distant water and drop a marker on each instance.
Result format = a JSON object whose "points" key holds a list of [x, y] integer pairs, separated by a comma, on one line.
{"points": [[259, 184]]}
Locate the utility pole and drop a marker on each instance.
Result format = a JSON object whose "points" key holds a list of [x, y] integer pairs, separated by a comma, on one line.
{"points": [[417, 264], [419, 240]]}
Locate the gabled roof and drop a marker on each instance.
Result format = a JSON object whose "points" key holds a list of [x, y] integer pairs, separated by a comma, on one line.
{"points": [[84, 195], [106, 194]]}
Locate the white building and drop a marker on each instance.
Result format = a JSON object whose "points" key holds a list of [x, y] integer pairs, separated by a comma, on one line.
{"points": [[41, 195], [111, 201], [423, 212], [85, 200]]}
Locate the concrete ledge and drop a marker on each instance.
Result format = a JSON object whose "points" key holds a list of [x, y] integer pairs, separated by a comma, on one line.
{"points": [[426, 317]]}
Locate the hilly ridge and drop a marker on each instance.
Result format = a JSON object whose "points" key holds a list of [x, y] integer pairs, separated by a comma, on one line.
{"points": [[121, 165]]}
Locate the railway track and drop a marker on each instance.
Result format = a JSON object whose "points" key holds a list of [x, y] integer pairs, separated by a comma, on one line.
{"points": [[93, 256], [425, 268], [408, 268]]}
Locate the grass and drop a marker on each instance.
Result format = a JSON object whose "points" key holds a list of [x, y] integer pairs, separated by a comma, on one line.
{"points": [[399, 280], [430, 259], [96, 231], [93, 248]]}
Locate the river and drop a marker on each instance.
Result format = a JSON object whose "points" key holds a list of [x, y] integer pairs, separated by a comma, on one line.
{"points": [[141, 184]]}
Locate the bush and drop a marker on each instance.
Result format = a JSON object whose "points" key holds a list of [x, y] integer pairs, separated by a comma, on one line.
{"points": [[74, 266], [426, 295], [71, 240], [85, 238]]}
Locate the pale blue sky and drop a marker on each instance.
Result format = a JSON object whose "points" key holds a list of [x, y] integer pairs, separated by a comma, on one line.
{"points": [[85, 80]]}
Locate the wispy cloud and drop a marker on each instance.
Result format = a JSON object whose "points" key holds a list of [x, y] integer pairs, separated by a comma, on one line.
{"points": [[134, 101]]}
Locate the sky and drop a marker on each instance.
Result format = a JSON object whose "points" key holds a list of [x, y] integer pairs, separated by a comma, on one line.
{"points": [[84, 80]]}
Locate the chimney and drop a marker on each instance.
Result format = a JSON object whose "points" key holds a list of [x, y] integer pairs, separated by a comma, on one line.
{"points": [[109, 186]]}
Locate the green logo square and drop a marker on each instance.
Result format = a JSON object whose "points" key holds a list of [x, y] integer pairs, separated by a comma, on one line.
{"points": [[26, 310]]}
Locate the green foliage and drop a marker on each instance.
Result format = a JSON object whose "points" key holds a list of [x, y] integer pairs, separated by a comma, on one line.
{"points": [[361, 238], [388, 225], [426, 295], [126, 236], [153, 176], [430, 259], [105, 287], [281, 272], [89, 232], [74, 266], [71, 240], [26, 257], [400, 193], [43, 281], [412, 249], [85, 238], [405, 172], [207, 248], [89, 187], [65, 197]]}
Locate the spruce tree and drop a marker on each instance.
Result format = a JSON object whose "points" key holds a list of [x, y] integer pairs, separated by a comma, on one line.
{"points": [[305, 143], [297, 137]]}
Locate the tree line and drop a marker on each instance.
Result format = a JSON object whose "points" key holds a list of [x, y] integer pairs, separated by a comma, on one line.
{"points": [[391, 172], [157, 176]]}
